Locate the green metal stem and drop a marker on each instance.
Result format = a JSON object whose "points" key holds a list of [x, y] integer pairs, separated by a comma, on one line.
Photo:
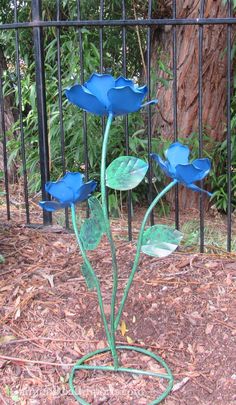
{"points": [[139, 245], [122, 369], [96, 281], [109, 235]]}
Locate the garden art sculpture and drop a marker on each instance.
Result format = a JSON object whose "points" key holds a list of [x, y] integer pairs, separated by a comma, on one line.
{"points": [[106, 96]]}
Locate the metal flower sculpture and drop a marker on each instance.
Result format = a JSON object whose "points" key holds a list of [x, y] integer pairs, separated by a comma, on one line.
{"points": [[178, 167], [105, 95], [69, 190], [102, 94]]}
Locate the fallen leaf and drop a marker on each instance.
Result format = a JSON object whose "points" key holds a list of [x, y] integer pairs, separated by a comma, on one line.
{"points": [[101, 344], [209, 328], [6, 338], [17, 301], [123, 328], [180, 384], [129, 340], [17, 314], [90, 333], [190, 349], [50, 278]]}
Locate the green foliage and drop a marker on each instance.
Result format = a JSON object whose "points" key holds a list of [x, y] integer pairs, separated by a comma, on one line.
{"points": [[219, 177], [215, 235], [70, 72], [73, 117]]}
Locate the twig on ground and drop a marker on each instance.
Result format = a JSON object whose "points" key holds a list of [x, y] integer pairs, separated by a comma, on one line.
{"points": [[45, 363]]}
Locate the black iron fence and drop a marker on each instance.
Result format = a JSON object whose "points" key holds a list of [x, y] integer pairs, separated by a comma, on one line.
{"points": [[37, 25]]}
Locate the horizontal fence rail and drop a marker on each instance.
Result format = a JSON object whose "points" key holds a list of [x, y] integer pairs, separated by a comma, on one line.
{"points": [[101, 23], [121, 23]]}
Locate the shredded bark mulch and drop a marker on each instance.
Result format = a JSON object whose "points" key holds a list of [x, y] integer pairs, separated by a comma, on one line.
{"points": [[182, 308]]}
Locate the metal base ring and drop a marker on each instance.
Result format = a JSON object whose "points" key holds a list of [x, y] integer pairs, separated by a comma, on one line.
{"points": [[81, 366]]}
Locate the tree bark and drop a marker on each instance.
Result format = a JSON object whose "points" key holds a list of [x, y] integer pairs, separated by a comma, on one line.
{"points": [[214, 70]]}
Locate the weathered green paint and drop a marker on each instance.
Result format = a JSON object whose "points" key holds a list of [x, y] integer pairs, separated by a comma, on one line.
{"points": [[160, 240], [125, 173], [93, 228]]}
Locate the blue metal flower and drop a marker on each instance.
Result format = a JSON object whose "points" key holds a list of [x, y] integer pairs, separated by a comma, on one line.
{"points": [[103, 94], [178, 167], [69, 190]]}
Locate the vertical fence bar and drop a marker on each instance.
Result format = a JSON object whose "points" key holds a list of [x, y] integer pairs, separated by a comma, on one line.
{"points": [[22, 135], [101, 16], [85, 133], [4, 144], [228, 136], [41, 104], [200, 131], [126, 124], [81, 57], [175, 101], [149, 124], [59, 85]]}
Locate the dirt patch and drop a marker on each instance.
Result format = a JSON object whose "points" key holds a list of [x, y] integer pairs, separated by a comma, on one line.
{"points": [[182, 308]]}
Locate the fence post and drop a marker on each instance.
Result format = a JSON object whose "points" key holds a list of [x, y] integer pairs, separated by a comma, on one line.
{"points": [[41, 104]]}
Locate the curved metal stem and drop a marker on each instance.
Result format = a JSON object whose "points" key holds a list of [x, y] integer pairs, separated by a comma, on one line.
{"points": [[139, 245], [92, 272], [109, 235]]}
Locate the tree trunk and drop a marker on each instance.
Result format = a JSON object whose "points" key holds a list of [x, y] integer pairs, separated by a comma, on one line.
{"points": [[214, 79]]}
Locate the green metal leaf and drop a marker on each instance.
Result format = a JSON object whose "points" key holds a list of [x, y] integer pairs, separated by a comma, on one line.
{"points": [[89, 278], [96, 212], [125, 172], [93, 228], [160, 240]]}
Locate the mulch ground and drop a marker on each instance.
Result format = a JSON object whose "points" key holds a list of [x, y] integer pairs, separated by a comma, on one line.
{"points": [[182, 308]]}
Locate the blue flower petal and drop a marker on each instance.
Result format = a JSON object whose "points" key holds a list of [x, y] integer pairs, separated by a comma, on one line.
{"points": [[83, 98], [124, 100], [85, 191], [60, 191], [198, 189], [123, 82], [99, 85], [142, 89], [73, 180], [155, 101], [188, 173], [177, 154], [52, 206], [164, 165], [203, 164]]}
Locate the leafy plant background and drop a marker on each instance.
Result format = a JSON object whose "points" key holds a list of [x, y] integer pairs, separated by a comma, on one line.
{"points": [[73, 117]]}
